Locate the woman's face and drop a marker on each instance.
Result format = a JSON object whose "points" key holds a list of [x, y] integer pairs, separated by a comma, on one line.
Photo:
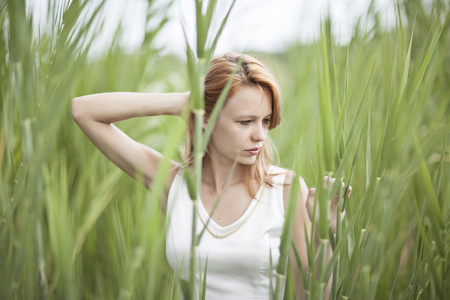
{"points": [[242, 126]]}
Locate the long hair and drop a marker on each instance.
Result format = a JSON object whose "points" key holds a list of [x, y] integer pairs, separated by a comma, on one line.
{"points": [[251, 73]]}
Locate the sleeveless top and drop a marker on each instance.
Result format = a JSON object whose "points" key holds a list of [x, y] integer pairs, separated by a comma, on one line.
{"points": [[239, 265]]}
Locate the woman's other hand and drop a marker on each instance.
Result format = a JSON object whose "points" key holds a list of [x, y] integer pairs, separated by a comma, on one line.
{"points": [[328, 184]]}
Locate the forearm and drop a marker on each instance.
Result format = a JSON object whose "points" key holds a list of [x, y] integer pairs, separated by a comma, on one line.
{"points": [[299, 288], [322, 261], [114, 107]]}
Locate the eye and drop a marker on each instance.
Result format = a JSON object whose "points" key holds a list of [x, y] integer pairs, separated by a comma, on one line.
{"points": [[266, 121], [244, 122]]}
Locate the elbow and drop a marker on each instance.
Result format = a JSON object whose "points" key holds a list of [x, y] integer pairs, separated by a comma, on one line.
{"points": [[76, 109]]}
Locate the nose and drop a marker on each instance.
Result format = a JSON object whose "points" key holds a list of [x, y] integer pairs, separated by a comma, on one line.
{"points": [[259, 133]]}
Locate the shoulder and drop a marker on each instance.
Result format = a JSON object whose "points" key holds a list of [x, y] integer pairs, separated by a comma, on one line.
{"points": [[303, 188], [275, 170], [177, 172], [276, 175], [289, 175]]}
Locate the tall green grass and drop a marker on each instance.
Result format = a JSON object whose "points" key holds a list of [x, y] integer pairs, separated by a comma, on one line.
{"points": [[378, 116], [374, 112]]}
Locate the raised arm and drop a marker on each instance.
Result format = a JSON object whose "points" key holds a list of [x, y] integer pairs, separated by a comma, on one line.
{"points": [[96, 113]]}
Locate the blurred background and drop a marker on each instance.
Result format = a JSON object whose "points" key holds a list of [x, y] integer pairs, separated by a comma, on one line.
{"points": [[366, 98], [269, 26]]}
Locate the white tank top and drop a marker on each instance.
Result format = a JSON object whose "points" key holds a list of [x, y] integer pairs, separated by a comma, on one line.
{"points": [[238, 266]]}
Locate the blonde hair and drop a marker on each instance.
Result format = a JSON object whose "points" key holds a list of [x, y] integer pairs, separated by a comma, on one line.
{"points": [[251, 73]]}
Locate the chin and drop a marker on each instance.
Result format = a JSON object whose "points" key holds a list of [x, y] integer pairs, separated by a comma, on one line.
{"points": [[248, 161]]}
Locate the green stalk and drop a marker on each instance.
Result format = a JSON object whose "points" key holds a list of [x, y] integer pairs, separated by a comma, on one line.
{"points": [[197, 68], [286, 235], [198, 158], [202, 29], [433, 203], [326, 105]]}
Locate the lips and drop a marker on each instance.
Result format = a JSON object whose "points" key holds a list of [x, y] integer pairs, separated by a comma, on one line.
{"points": [[253, 151]]}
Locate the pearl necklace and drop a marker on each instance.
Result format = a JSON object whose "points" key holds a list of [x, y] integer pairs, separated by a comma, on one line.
{"points": [[221, 236]]}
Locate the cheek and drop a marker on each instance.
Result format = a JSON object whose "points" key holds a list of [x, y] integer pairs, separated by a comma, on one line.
{"points": [[224, 128], [225, 137], [236, 134], [228, 135]]}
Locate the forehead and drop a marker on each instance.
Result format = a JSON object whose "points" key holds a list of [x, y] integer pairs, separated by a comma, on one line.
{"points": [[249, 100]]}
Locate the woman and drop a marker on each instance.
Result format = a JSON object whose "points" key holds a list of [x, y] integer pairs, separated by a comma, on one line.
{"points": [[243, 234]]}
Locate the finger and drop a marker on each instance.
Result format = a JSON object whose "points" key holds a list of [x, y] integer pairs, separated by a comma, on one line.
{"points": [[328, 181], [311, 196], [349, 192], [310, 202]]}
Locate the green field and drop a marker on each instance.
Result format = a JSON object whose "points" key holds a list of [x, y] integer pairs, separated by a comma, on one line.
{"points": [[374, 113]]}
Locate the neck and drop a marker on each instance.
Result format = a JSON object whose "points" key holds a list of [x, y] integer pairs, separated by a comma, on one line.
{"points": [[216, 175]]}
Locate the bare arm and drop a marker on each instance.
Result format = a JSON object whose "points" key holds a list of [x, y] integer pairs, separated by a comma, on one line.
{"points": [[96, 113], [302, 224]]}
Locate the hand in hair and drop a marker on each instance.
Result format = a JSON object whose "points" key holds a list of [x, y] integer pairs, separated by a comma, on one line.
{"points": [[328, 184]]}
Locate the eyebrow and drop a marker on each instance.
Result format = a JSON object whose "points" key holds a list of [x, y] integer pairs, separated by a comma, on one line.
{"points": [[251, 116]]}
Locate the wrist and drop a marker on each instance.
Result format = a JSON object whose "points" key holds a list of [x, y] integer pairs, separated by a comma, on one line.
{"points": [[173, 103], [181, 103]]}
